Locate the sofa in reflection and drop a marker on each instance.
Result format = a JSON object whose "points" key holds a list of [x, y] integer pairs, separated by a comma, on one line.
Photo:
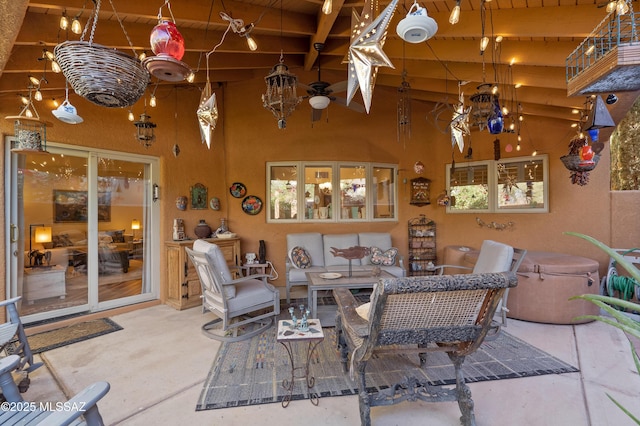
{"points": [[69, 248]]}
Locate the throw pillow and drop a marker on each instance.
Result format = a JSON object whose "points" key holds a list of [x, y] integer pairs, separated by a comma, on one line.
{"points": [[363, 310], [386, 258], [300, 257]]}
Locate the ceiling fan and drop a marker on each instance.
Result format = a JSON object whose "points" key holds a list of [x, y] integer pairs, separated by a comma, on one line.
{"points": [[320, 93]]}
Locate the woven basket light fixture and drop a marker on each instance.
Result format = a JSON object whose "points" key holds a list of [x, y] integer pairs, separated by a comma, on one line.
{"points": [[100, 74]]}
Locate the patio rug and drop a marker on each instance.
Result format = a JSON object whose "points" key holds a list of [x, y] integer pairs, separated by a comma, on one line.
{"points": [[250, 372], [60, 337]]}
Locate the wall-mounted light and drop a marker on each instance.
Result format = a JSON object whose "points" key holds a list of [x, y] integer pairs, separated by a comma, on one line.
{"points": [[156, 192]]}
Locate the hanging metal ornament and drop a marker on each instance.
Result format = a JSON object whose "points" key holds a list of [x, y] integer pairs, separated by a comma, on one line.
{"points": [[30, 131], [207, 114], [281, 97], [459, 125], [366, 55]]}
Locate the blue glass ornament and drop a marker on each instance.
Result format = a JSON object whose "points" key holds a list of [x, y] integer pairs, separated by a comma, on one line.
{"points": [[495, 122], [594, 134]]}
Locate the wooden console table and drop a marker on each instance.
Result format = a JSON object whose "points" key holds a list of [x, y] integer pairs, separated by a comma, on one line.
{"points": [[183, 285]]}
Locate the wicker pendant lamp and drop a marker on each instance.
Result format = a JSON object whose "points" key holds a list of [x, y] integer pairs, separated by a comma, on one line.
{"points": [[102, 75]]}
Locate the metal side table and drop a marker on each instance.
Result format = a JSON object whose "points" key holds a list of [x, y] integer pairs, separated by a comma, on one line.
{"points": [[287, 336]]}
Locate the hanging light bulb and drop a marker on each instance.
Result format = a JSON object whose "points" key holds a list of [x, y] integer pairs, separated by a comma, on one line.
{"points": [[327, 7], [131, 116], [142, 56], [34, 80], [152, 101], [55, 67], [28, 113], [191, 77], [622, 8], [484, 42], [253, 46], [611, 6], [590, 50], [38, 95], [505, 110], [56, 103], [76, 26], [534, 153], [455, 14], [24, 100], [64, 21]]}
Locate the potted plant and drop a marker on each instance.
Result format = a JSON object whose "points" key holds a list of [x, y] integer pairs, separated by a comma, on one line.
{"points": [[618, 318]]}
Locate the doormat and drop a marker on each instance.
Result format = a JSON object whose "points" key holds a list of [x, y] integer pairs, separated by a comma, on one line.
{"points": [[250, 372], [64, 336]]}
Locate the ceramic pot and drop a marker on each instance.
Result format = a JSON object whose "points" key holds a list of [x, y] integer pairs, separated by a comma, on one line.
{"points": [[202, 230]]}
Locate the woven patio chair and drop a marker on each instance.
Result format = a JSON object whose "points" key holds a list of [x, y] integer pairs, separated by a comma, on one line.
{"points": [[246, 306], [82, 409], [417, 315]]}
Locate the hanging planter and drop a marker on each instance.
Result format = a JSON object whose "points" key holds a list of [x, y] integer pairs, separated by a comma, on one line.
{"points": [[100, 74], [580, 160]]}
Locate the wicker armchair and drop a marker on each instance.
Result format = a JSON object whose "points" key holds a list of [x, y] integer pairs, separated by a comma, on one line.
{"points": [[450, 313]]}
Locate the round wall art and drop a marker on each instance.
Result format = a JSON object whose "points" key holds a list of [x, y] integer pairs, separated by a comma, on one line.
{"points": [[238, 190], [252, 205]]}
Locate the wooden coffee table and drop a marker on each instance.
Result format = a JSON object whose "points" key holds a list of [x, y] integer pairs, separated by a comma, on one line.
{"points": [[324, 281]]}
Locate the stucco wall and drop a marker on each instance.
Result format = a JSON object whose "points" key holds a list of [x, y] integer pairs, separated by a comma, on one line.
{"points": [[247, 137]]}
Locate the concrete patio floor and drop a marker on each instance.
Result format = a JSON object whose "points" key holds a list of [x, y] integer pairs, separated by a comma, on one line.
{"points": [[157, 365]]}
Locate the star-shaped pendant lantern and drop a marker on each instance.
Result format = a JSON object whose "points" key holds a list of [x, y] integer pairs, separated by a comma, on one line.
{"points": [[207, 114], [459, 123], [365, 51]]}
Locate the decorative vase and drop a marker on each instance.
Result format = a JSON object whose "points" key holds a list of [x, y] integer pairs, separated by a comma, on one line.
{"points": [[262, 253], [165, 39], [495, 122], [202, 230]]}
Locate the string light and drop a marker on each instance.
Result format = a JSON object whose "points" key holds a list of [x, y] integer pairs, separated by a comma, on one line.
{"points": [[455, 14], [327, 7], [131, 116], [152, 101], [64, 21], [76, 26]]}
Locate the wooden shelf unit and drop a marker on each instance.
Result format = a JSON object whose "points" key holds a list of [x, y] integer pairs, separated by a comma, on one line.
{"points": [[422, 246]]}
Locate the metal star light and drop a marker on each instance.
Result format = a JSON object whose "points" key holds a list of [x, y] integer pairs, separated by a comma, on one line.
{"points": [[207, 114], [366, 54], [459, 123]]}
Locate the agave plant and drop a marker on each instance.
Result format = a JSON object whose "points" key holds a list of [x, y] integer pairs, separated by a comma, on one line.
{"points": [[618, 319]]}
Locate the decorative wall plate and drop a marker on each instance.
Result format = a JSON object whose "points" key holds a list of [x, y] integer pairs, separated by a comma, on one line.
{"points": [[238, 190], [252, 205]]}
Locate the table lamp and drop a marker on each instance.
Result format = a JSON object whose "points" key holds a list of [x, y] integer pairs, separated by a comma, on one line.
{"points": [[135, 225], [42, 235]]}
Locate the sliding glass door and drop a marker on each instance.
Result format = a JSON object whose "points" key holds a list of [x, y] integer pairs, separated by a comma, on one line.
{"points": [[81, 230]]}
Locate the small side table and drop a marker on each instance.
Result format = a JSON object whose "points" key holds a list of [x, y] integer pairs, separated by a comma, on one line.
{"points": [[254, 268], [287, 336]]}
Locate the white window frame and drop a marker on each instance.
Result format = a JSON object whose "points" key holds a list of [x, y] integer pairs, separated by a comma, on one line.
{"points": [[302, 216], [492, 182]]}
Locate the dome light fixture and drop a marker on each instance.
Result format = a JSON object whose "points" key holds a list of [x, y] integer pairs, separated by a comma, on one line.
{"points": [[417, 26], [319, 102]]}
